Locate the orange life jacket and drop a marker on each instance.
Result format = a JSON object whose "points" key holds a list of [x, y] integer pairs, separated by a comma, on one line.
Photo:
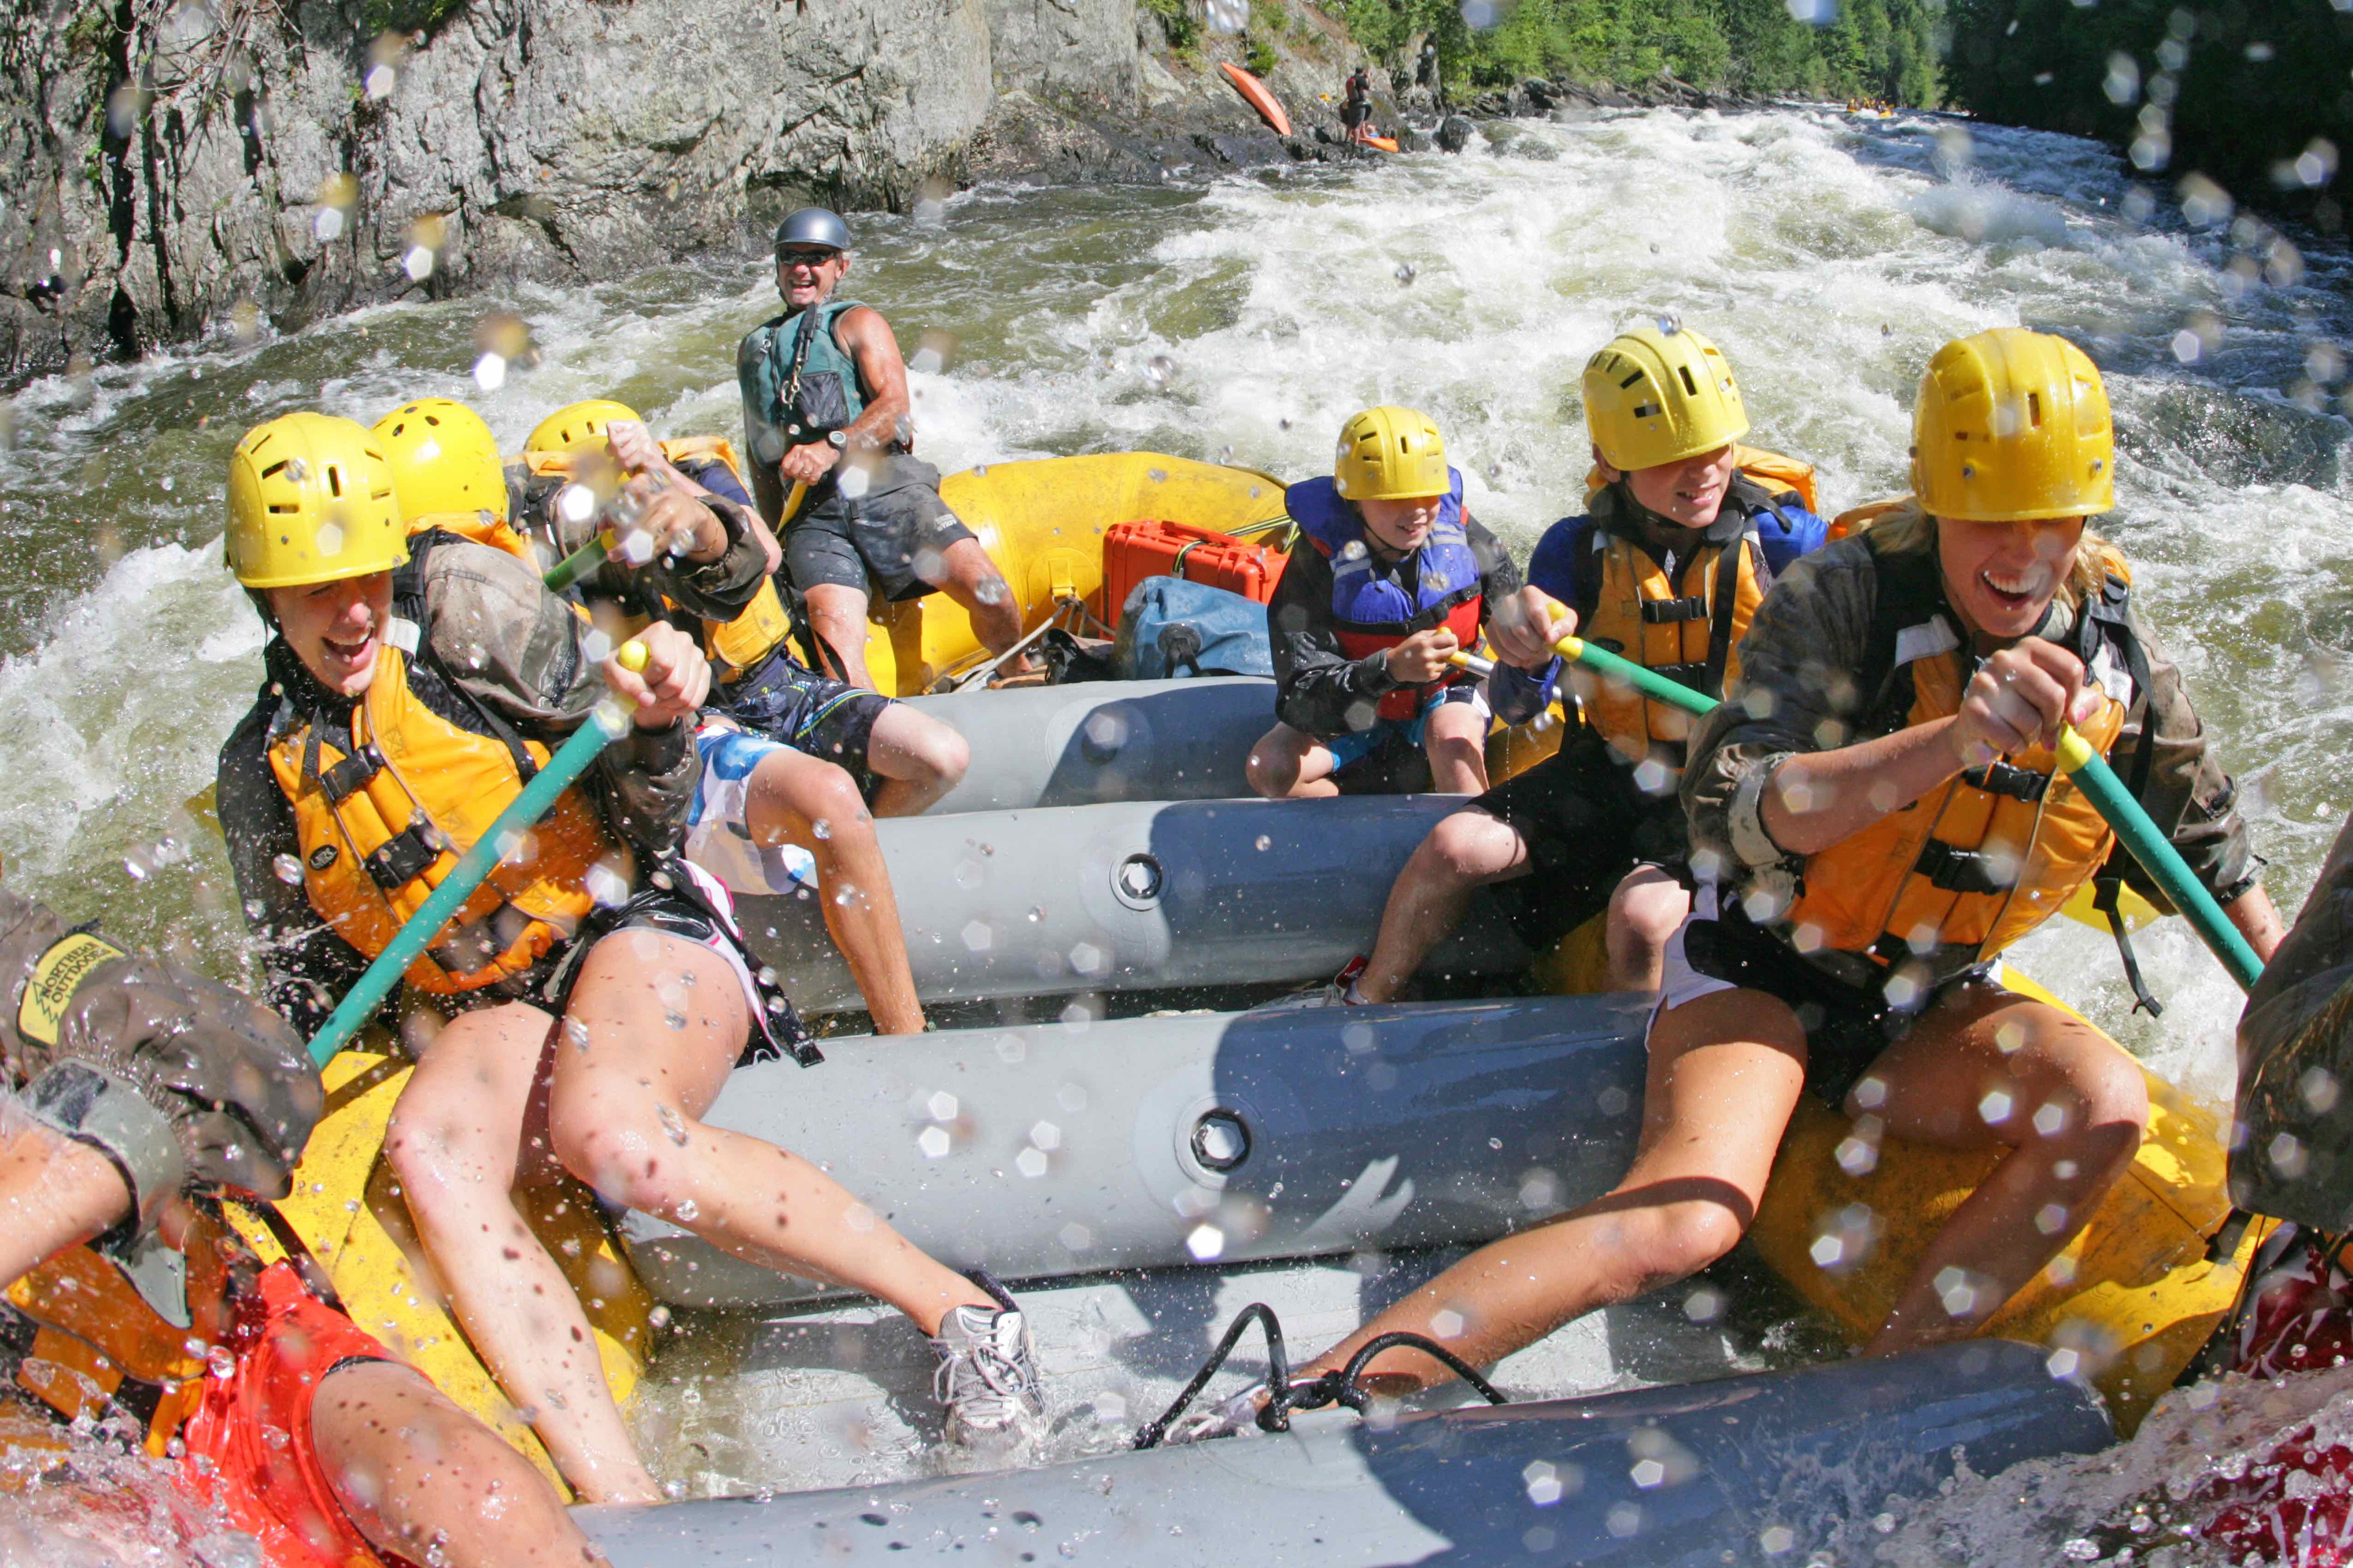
{"points": [[384, 809], [1688, 630], [481, 528], [1994, 852]]}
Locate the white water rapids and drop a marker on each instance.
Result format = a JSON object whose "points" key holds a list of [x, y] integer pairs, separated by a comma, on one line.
{"points": [[1245, 318]]}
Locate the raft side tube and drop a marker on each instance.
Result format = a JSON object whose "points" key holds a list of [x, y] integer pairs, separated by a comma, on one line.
{"points": [[1711, 1472], [1103, 740], [1132, 896], [1054, 1149]]}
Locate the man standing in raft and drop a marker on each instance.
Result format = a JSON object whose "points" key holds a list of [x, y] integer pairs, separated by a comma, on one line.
{"points": [[1393, 577], [1666, 568], [1875, 814], [826, 407], [585, 1006]]}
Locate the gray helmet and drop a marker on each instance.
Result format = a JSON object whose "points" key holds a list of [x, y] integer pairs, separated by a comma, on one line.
{"points": [[813, 225]]}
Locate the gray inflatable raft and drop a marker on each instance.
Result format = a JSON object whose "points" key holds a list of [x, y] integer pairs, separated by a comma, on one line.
{"points": [[1131, 897], [1764, 1468], [1103, 740], [1057, 1149]]}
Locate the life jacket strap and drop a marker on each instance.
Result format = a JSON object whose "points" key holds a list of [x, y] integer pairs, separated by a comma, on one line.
{"points": [[2108, 888], [1690, 674], [1965, 870]]}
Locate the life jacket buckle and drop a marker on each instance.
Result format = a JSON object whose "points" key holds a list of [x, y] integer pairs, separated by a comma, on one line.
{"points": [[404, 857], [1962, 871], [1662, 612], [350, 776], [1998, 777]]}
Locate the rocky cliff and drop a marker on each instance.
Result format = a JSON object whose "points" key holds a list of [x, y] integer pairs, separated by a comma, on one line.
{"points": [[168, 165]]}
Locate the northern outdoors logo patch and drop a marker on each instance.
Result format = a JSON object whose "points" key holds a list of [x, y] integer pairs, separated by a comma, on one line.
{"points": [[51, 990]]}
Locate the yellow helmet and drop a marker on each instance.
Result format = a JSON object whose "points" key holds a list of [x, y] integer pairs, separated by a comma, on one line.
{"points": [[576, 425], [444, 459], [310, 500], [1654, 396], [1391, 454], [2012, 426]]}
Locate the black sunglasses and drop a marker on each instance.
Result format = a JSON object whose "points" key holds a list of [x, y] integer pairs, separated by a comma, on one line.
{"points": [[805, 258]]}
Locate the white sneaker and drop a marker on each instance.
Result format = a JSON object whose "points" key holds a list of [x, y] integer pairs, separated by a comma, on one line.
{"points": [[987, 1378]]}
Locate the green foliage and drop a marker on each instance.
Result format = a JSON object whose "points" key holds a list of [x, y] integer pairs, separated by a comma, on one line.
{"points": [[1875, 48], [2238, 92], [1178, 23], [377, 16]]}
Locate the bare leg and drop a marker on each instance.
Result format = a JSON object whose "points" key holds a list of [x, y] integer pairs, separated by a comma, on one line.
{"points": [[1291, 764], [1455, 739], [623, 1115], [1725, 1072], [1643, 913], [454, 1140], [1464, 852], [2065, 1099], [425, 1481], [838, 615], [919, 758], [970, 578], [799, 799]]}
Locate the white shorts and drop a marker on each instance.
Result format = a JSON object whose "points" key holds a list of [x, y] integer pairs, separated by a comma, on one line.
{"points": [[718, 837]]}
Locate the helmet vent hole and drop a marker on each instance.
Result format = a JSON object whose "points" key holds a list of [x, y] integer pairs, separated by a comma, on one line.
{"points": [[2034, 409], [335, 480], [274, 469], [1631, 380], [1691, 387]]}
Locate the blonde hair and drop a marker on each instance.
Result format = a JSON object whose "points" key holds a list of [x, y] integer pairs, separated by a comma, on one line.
{"points": [[1910, 526]]}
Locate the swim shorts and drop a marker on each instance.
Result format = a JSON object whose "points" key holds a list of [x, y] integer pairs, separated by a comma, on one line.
{"points": [[1586, 825], [250, 1447], [894, 534], [1718, 948], [1352, 747], [785, 702], [719, 837]]}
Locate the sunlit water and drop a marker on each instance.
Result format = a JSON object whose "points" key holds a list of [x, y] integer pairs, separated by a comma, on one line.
{"points": [[1245, 318]]}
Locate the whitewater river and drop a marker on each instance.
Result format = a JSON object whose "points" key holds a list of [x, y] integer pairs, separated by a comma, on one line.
{"points": [[1244, 318]]}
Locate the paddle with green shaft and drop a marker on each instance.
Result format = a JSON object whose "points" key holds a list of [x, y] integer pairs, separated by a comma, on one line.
{"points": [[359, 1004], [581, 562], [2141, 837]]}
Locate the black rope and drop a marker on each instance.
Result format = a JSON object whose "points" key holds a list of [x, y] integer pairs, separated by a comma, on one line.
{"points": [[1344, 1386]]}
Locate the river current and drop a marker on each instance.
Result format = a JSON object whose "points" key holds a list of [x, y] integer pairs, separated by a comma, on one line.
{"points": [[1243, 319]]}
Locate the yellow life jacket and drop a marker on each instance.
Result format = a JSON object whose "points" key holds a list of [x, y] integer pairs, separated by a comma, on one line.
{"points": [[384, 810], [1994, 852], [481, 528], [1854, 519], [1688, 630], [736, 648], [1777, 472]]}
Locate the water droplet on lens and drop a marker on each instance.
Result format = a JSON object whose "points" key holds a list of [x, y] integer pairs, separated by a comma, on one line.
{"points": [[288, 870]]}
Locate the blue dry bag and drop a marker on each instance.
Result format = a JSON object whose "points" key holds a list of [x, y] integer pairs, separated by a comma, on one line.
{"points": [[1170, 628]]}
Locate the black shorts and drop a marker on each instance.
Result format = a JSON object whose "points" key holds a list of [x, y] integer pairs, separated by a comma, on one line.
{"points": [[786, 703], [1847, 1025], [884, 538], [1586, 825]]}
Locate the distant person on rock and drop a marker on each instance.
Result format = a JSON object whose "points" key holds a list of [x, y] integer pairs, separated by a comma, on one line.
{"points": [[826, 416], [1391, 576], [1668, 562], [1356, 111], [1424, 75]]}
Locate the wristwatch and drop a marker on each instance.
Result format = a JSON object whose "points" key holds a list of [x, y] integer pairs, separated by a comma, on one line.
{"points": [[840, 439]]}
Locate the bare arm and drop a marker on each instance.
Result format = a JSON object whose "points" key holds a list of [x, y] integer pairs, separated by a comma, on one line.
{"points": [[54, 1193], [882, 374]]}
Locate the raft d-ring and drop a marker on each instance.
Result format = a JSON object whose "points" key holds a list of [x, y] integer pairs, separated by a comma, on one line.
{"points": [[1221, 1140], [1138, 881]]}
